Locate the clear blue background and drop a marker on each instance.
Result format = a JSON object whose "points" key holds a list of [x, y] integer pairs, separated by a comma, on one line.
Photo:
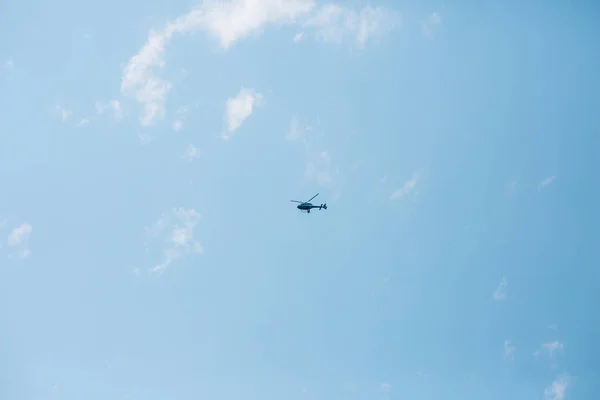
{"points": [[281, 304]]}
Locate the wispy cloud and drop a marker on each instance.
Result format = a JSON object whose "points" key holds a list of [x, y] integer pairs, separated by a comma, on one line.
{"points": [[298, 36], [558, 388], [500, 292], [178, 123], [321, 165], [176, 232], [113, 106], [228, 22], [431, 23], [18, 240], [239, 108], [63, 113], [234, 20], [144, 138], [408, 187], [334, 23], [83, 122], [10, 63], [139, 80], [545, 182], [296, 131], [509, 349], [550, 349], [321, 169], [191, 153], [386, 389]]}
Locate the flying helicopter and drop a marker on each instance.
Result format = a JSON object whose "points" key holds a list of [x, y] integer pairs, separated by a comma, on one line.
{"points": [[307, 205]]}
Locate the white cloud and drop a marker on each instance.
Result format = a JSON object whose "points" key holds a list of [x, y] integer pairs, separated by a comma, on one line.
{"points": [[385, 388], [144, 139], [113, 106], [10, 63], [558, 388], [509, 349], [231, 21], [227, 22], [320, 169], [239, 108], [550, 349], [296, 130], [320, 166], [176, 231], [18, 239], [178, 123], [335, 23], [83, 122], [64, 113], [546, 182], [23, 253], [139, 80], [407, 188], [429, 26], [191, 153], [298, 36], [234, 20], [373, 22], [19, 235], [500, 292]]}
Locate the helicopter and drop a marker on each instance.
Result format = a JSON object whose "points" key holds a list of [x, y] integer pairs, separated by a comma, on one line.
{"points": [[307, 205]]}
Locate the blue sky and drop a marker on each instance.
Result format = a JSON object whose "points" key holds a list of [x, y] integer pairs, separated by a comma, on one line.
{"points": [[148, 153]]}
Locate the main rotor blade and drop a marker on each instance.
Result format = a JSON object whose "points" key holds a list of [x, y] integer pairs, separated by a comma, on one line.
{"points": [[296, 201], [313, 197]]}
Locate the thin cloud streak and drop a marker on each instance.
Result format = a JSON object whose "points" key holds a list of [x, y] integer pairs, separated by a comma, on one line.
{"points": [[546, 182], [500, 292], [408, 187]]}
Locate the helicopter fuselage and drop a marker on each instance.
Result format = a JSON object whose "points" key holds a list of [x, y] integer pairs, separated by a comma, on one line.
{"points": [[308, 206]]}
